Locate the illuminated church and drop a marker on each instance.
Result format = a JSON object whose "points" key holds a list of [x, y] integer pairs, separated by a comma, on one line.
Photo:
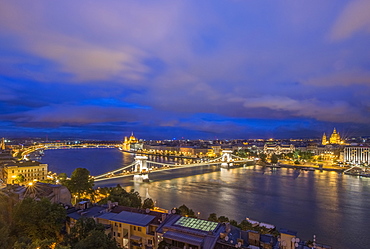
{"points": [[334, 138], [2, 144], [132, 143]]}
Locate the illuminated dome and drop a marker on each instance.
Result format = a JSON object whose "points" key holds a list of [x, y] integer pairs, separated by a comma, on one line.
{"points": [[132, 138]]}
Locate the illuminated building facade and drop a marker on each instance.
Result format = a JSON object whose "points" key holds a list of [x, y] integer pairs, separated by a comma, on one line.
{"points": [[334, 138], [278, 149], [30, 170], [2, 144], [132, 143], [132, 229], [324, 139], [357, 155]]}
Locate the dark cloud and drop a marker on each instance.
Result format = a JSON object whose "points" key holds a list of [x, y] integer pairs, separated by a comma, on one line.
{"points": [[184, 69]]}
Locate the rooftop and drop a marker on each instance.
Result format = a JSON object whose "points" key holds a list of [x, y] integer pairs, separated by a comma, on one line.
{"points": [[23, 164], [90, 212], [129, 218], [203, 225], [286, 231]]}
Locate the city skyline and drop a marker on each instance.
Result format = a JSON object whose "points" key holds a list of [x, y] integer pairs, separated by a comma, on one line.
{"points": [[236, 69]]}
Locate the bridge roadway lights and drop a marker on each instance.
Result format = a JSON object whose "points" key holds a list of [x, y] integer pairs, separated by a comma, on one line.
{"points": [[226, 165], [141, 177]]}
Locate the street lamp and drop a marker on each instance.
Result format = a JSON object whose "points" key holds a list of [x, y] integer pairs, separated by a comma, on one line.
{"points": [[295, 242]]}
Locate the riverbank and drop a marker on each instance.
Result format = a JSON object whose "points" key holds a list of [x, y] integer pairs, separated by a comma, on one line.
{"points": [[317, 199], [309, 167]]}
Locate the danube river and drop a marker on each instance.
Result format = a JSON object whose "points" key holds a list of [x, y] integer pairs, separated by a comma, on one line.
{"points": [[334, 207]]}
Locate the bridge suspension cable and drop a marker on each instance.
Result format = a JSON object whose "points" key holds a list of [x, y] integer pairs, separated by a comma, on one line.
{"points": [[114, 171], [216, 159], [238, 157]]}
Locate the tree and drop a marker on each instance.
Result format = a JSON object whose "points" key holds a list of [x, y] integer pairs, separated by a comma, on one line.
{"points": [[96, 239], [274, 159], [86, 234], [124, 198], [185, 211], [290, 155], [81, 182], [39, 220], [245, 225], [296, 154], [62, 177], [148, 203], [223, 219], [263, 157], [19, 179], [6, 208], [234, 223], [213, 217]]}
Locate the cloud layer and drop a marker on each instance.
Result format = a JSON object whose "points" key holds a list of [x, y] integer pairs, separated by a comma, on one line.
{"points": [[191, 69]]}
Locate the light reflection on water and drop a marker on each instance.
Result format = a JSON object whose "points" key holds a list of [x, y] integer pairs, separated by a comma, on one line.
{"points": [[334, 207]]}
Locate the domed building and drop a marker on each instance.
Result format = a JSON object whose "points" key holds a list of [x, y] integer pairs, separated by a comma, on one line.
{"points": [[132, 143], [334, 138]]}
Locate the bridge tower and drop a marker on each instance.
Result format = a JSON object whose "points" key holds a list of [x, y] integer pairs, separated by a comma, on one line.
{"points": [[141, 169], [226, 159], [140, 164]]}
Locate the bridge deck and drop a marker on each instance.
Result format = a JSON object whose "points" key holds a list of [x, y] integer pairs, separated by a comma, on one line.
{"points": [[167, 167]]}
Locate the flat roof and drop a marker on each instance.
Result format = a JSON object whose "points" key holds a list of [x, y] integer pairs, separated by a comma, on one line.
{"points": [[203, 225], [286, 231], [129, 218], [186, 238], [25, 164]]}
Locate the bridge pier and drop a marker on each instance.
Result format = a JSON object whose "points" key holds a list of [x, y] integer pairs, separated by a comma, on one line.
{"points": [[141, 169], [226, 165], [141, 178]]}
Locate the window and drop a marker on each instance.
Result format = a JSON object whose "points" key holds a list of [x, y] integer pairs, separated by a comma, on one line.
{"points": [[139, 229], [114, 233], [120, 225], [115, 224], [118, 235], [150, 242], [134, 228]]}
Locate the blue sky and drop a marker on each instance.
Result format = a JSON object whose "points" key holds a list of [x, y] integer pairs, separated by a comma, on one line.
{"points": [[192, 69]]}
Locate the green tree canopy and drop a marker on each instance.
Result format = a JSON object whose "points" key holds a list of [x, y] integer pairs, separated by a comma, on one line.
{"points": [[124, 198], [263, 157], [80, 183], [62, 177], [213, 217], [87, 234], [19, 179], [274, 159], [39, 220], [185, 211], [148, 203], [223, 219], [6, 208]]}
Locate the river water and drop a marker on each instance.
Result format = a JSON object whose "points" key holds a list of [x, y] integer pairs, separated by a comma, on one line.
{"points": [[334, 207]]}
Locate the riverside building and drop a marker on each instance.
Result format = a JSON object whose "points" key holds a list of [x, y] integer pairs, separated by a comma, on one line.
{"points": [[31, 170], [357, 155]]}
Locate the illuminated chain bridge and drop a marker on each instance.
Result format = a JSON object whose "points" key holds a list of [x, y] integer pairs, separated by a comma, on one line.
{"points": [[57, 146], [141, 167]]}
